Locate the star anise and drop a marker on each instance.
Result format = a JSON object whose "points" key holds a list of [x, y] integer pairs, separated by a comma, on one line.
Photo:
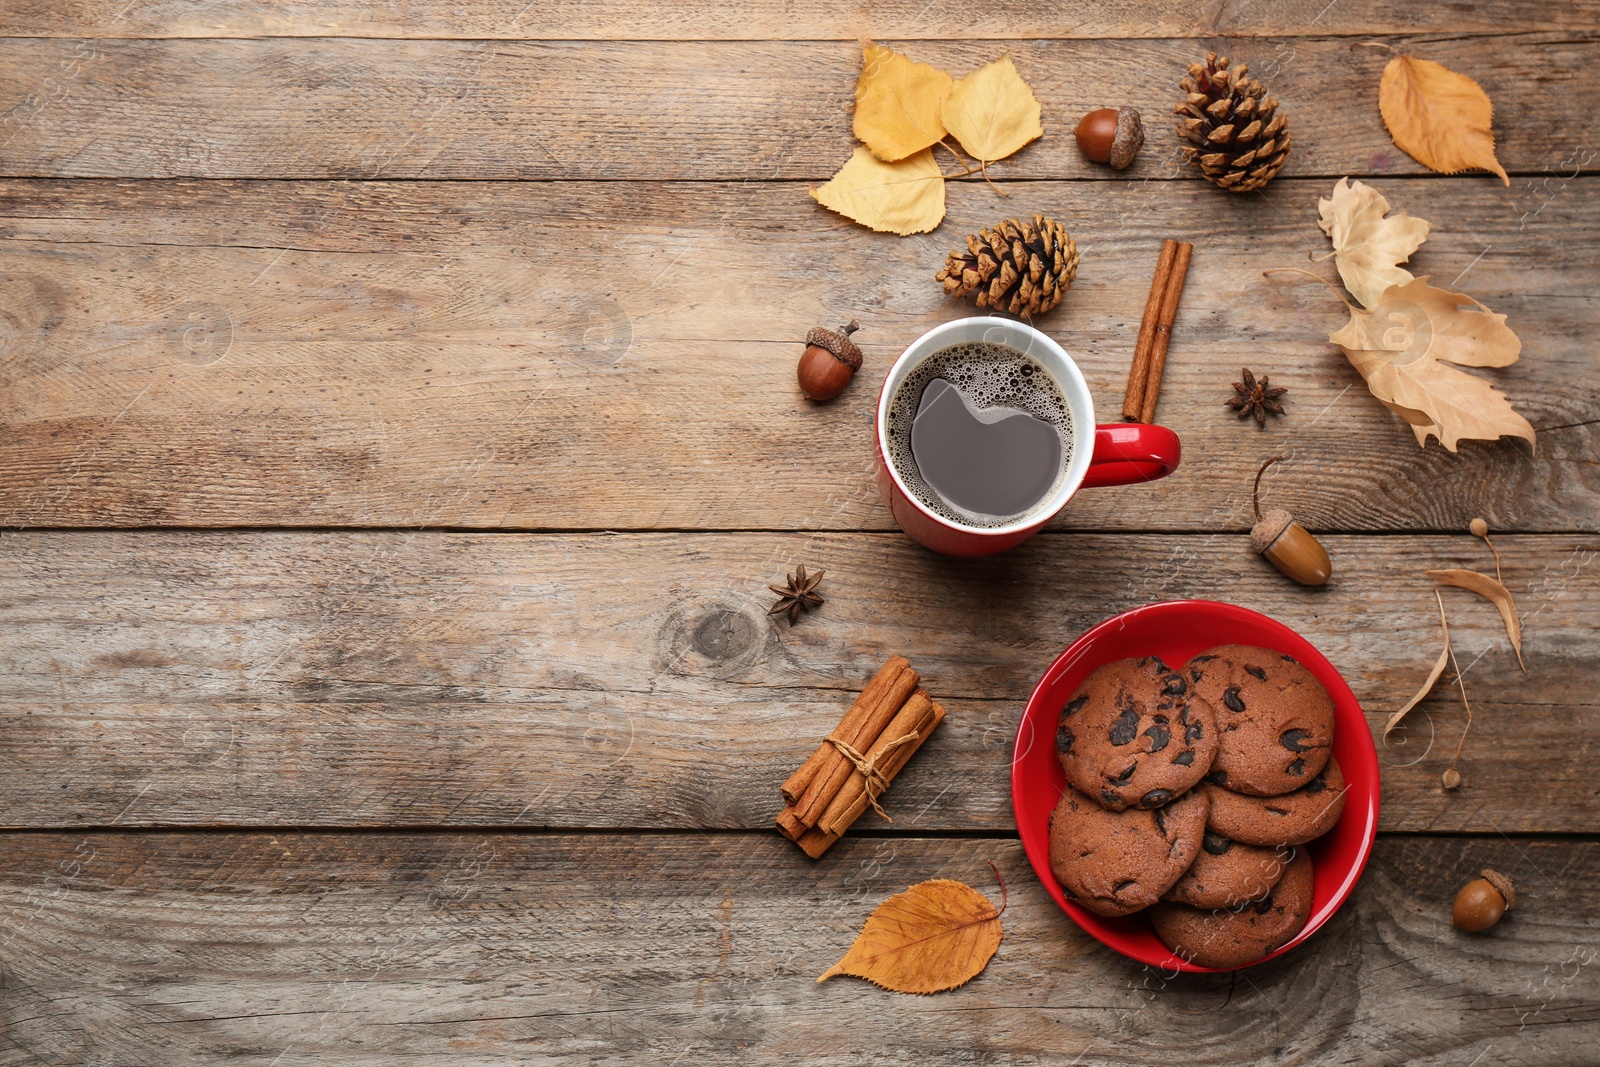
{"points": [[798, 596], [1254, 398]]}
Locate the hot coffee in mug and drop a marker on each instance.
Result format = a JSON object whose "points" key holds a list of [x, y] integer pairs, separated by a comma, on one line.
{"points": [[980, 433], [985, 430]]}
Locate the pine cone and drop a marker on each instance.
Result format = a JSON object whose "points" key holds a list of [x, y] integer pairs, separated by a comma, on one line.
{"points": [[1235, 136], [1024, 268]]}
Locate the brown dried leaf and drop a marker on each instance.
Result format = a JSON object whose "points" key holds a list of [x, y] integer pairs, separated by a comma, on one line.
{"points": [[905, 197], [1433, 675], [1439, 118], [1401, 347], [992, 111], [936, 935], [1368, 248], [1494, 593], [898, 103]]}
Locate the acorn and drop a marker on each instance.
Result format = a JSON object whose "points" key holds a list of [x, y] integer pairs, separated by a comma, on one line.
{"points": [[829, 361], [1287, 544], [1482, 902], [1111, 135]]}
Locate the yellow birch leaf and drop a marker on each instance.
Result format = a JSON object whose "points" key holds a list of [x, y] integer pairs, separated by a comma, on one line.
{"points": [[1496, 594], [936, 935], [992, 111], [1438, 117], [897, 103], [1368, 248], [905, 197], [1402, 347]]}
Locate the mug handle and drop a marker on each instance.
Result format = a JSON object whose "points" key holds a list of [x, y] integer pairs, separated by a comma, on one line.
{"points": [[1126, 453]]}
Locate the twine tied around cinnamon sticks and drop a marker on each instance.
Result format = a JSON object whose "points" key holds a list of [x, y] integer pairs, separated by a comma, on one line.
{"points": [[867, 767], [855, 763], [1155, 332]]}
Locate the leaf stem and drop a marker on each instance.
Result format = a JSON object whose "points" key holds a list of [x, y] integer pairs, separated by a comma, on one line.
{"points": [[1255, 496], [1004, 894], [1313, 277]]}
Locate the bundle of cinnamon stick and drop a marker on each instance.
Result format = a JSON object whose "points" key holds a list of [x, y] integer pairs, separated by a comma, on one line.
{"points": [[856, 762], [1155, 332]]}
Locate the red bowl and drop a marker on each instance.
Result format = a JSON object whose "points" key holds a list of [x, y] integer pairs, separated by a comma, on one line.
{"points": [[1175, 631]]}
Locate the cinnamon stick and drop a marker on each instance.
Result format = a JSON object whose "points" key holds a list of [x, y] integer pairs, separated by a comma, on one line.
{"points": [[791, 827], [871, 712], [910, 721], [795, 786], [1133, 400], [1163, 336], [816, 841]]}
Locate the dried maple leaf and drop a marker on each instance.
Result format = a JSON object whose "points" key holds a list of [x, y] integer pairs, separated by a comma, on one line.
{"points": [[898, 103], [1438, 117], [936, 935], [1401, 347], [1368, 248], [992, 111], [905, 197]]}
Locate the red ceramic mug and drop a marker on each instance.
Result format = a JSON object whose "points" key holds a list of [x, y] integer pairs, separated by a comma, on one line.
{"points": [[1117, 454]]}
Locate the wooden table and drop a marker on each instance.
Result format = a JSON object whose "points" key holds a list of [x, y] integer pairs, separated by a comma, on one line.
{"points": [[400, 433]]}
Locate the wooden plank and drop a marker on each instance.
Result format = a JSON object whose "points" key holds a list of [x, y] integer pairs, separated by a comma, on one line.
{"points": [[492, 354], [401, 948], [343, 108], [722, 20], [593, 681]]}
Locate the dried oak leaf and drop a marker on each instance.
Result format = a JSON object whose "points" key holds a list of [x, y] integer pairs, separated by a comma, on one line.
{"points": [[1438, 117], [1368, 248], [992, 112], [898, 103], [936, 935], [905, 197], [1496, 594], [1401, 347]]}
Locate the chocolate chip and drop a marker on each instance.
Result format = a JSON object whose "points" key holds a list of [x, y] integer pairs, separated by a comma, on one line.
{"points": [[1175, 686], [1215, 844], [1297, 768], [1290, 739], [1288, 658], [1155, 798], [1126, 776], [1126, 728], [1217, 777], [1120, 886], [1155, 660], [1184, 759], [1111, 797], [1064, 739], [1159, 737], [1317, 784], [1074, 706], [1256, 673], [1204, 657], [1230, 698], [1194, 675], [1194, 731], [1161, 821]]}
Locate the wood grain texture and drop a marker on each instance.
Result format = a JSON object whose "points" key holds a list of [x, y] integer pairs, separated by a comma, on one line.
{"points": [[295, 949], [363, 109], [494, 354], [634, 20], [594, 681]]}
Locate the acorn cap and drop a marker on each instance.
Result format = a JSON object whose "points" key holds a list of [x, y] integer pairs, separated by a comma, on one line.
{"points": [[1270, 528], [1129, 137], [1503, 885], [843, 349]]}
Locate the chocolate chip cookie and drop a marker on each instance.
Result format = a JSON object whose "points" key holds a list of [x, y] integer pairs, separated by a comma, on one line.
{"points": [[1289, 819], [1132, 735], [1226, 874], [1274, 718], [1223, 938], [1116, 862]]}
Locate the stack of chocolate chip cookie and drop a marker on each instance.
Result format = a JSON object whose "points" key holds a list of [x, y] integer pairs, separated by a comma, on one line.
{"points": [[1190, 791]]}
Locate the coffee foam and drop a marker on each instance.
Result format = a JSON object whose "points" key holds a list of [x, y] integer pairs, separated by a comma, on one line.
{"points": [[988, 375]]}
